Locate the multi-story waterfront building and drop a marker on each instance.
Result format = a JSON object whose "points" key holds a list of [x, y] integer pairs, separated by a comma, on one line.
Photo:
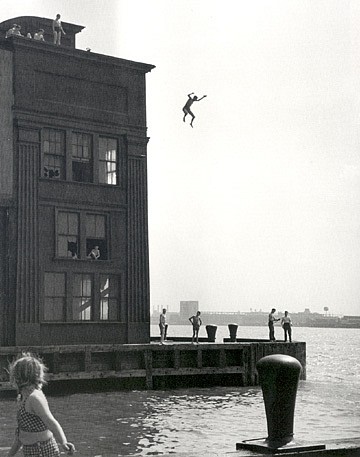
{"points": [[73, 192]]}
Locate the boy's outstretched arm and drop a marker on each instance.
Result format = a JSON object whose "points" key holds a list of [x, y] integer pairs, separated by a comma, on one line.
{"points": [[201, 98]]}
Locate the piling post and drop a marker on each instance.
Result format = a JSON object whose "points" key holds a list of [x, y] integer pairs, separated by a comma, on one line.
{"points": [[87, 359], [232, 331], [148, 369], [211, 333], [279, 377]]}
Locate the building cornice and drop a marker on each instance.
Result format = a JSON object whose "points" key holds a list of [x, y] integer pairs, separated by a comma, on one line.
{"points": [[46, 47]]}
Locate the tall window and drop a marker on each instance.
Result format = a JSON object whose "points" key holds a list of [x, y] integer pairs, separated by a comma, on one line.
{"points": [[53, 145], [54, 300], [108, 161], [67, 234], [109, 298], [81, 157], [82, 297], [96, 245]]}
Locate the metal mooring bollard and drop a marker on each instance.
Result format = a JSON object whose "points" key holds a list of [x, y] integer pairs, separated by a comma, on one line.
{"points": [[233, 330], [279, 377]]}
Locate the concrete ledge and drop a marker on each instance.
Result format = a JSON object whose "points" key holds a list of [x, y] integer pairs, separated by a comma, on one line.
{"points": [[341, 447], [180, 339]]}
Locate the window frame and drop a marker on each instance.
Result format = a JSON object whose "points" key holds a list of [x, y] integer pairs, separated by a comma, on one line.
{"points": [[81, 159], [63, 296], [67, 158], [106, 162], [101, 240], [117, 297], [57, 234], [90, 277], [69, 297], [82, 234], [61, 156]]}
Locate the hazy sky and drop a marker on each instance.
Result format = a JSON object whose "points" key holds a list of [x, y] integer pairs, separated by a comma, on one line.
{"points": [[259, 204]]}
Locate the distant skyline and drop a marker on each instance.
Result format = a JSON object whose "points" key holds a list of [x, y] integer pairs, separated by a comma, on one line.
{"points": [[258, 205]]}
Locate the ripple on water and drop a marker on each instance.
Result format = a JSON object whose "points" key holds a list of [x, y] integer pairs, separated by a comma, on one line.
{"points": [[210, 421]]}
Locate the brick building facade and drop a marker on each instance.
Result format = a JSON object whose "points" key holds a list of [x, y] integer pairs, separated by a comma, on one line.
{"points": [[73, 181]]}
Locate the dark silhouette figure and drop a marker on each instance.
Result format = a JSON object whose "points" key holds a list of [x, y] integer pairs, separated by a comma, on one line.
{"points": [[286, 325], [272, 319], [187, 106], [163, 326], [196, 323], [72, 247]]}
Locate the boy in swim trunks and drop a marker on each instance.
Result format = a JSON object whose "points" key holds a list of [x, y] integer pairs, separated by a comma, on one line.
{"points": [[57, 30], [196, 323], [188, 104]]}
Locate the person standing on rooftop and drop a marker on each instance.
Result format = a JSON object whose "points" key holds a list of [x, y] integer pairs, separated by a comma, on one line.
{"points": [[57, 30]]}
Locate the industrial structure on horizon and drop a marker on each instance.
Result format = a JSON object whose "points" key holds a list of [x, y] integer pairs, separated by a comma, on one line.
{"points": [[254, 318]]}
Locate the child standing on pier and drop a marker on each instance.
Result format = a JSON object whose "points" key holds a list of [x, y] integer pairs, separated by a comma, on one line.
{"points": [[196, 323], [36, 425]]}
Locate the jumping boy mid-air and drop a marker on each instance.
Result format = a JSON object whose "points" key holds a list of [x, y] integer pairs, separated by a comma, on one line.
{"points": [[188, 104]]}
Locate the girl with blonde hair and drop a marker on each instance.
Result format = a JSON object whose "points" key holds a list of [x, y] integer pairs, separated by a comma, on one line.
{"points": [[37, 427]]}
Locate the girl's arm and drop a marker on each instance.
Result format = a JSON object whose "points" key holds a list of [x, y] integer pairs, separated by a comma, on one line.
{"points": [[15, 446], [39, 405]]}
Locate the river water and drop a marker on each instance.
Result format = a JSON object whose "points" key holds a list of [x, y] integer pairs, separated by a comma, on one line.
{"points": [[211, 421]]}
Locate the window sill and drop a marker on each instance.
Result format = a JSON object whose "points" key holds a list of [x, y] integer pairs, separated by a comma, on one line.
{"points": [[81, 322], [65, 181], [69, 259]]}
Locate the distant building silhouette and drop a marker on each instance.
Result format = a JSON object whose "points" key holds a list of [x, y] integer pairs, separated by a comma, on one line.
{"points": [[187, 309]]}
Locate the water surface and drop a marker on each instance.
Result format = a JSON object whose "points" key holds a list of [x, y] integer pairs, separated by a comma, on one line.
{"points": [[210, 421]]}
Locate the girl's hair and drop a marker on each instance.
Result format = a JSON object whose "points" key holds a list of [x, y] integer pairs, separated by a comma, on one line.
{"points": [[27, 370]]}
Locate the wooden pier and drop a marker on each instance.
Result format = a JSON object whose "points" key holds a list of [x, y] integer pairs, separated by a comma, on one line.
{"points": [[155, 366]]}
